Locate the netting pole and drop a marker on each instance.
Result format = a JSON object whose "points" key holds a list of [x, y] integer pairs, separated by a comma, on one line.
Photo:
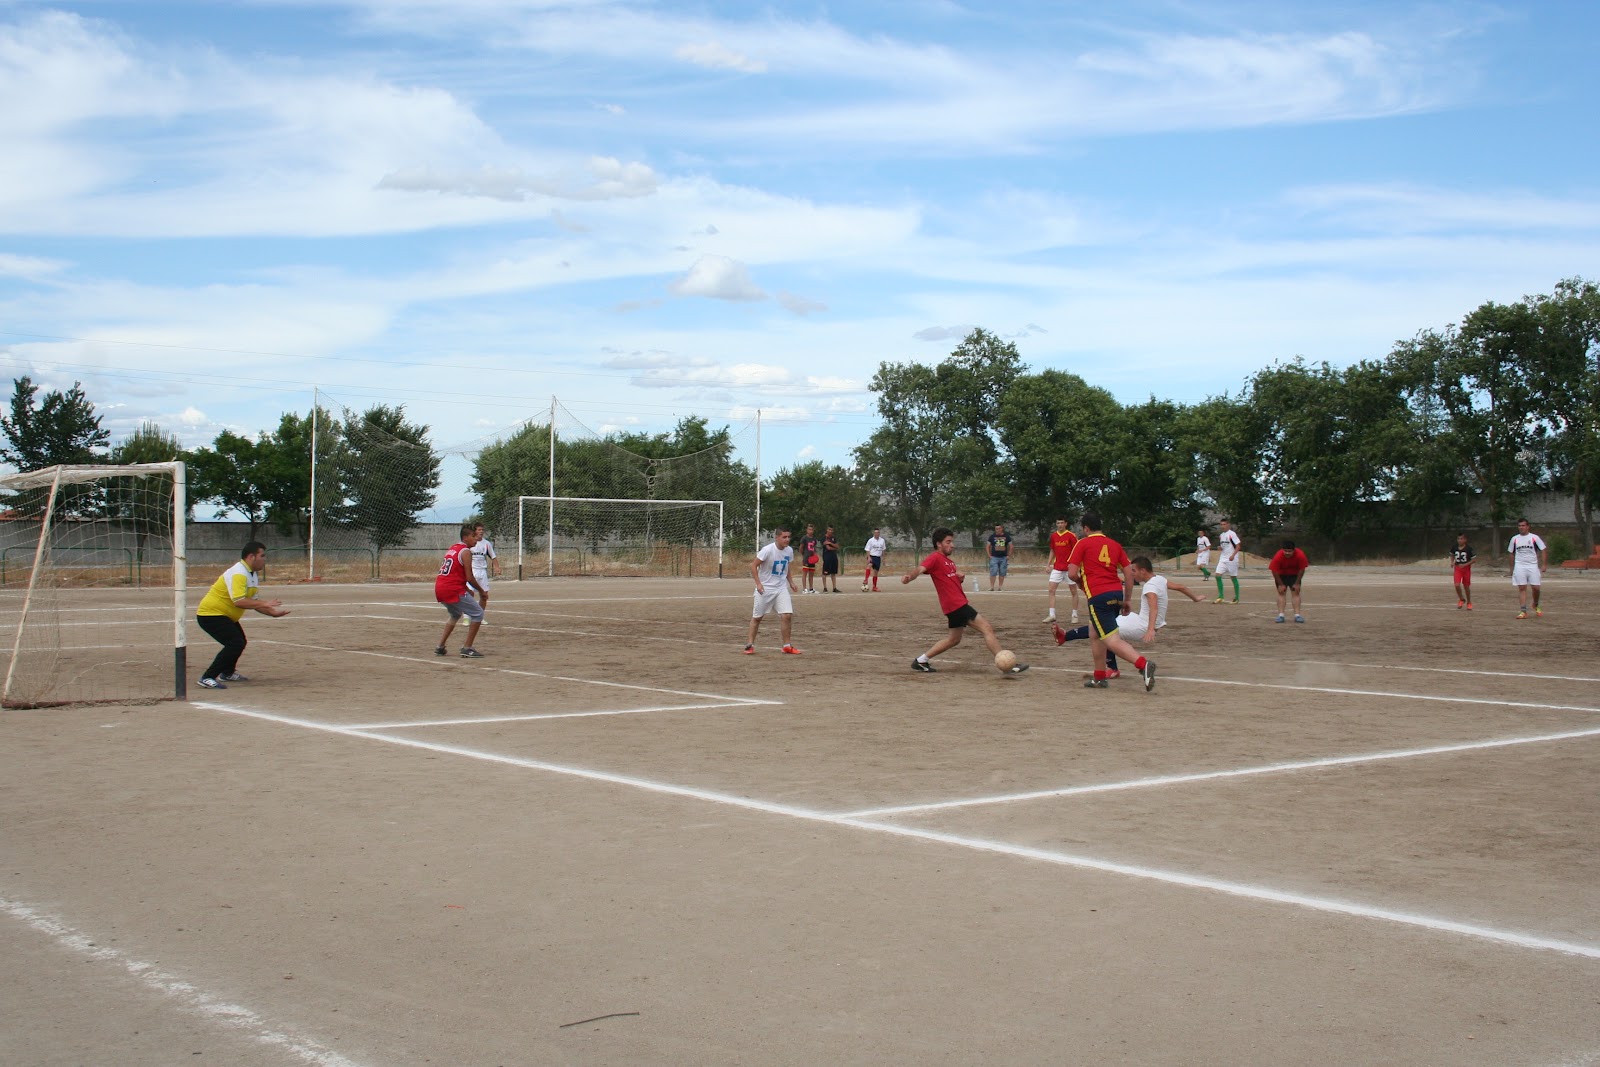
{"points": [[758, 479], [33, 579], [550, 520], [519, 538], [180, 581], [311, 535], [719, 538]]}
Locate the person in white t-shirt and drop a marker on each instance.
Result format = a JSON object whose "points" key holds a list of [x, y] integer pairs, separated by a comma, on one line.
{"points": [[1152, 613], [484, 564], [876, 547], [1528, 561], [1228, 565], [770, 570], [1202, 553]]}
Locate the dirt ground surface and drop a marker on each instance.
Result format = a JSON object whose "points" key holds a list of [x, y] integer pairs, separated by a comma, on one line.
{"points": [[1368, 839]]}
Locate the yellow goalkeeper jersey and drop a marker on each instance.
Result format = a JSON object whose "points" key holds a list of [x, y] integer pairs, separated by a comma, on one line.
{"points": [[238, 582]]}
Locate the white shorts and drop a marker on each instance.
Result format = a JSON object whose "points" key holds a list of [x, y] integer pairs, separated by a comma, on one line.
{"points": [[1202, 559], [1132, 627], [772, 600], [1057, 577], [1525, 574], [483, 580], [1228, 566]]}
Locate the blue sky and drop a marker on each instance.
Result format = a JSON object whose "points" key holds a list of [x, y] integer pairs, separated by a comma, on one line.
{"points": [[653, 210]]}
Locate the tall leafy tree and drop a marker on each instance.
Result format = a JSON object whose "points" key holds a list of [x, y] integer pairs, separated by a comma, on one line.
{"points": [[1226, 438], [387, 474], [1055, 428], [142, 503], [60, 427], [1564, 373], [902, 459], [231, 475], [824, 495]]}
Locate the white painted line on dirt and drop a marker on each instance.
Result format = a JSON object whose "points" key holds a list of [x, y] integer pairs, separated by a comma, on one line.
{"points": [[438, 661], [1400, 667], [560, 715], [1178, 878], [201, 1003], [1385, 693], [1209, 776]]}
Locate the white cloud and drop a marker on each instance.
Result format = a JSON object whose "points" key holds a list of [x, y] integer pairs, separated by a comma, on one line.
{"points": [[606, 179], [718, 278], [800, 305], [193, 416], [942, 333], [806, 453], [716, 56], [29, 267]]}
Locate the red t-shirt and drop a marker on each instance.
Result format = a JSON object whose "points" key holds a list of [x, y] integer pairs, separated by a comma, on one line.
{"points": [[1102, 560], [1062, 543], [942, 569], [451, 584], [1288, 564]]}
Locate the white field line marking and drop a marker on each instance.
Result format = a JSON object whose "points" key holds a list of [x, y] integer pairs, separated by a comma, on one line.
{"points": [[1208, 776], [1398, 667], [1064, 859], [186, 995], [436, 660], [1382, 693], [561, 715]]}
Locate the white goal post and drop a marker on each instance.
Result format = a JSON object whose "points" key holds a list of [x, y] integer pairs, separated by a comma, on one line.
{"points": [[607, 536], [93, 581]]}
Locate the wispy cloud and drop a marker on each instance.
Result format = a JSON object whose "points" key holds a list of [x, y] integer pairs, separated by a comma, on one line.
{"points": [[718, 278], [715, 56]]}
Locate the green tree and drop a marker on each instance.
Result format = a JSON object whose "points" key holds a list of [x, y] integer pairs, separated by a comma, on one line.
{"points": [[1152, 499], [230, 474], [1564, 374], [1053, 426], [143, 504], [1225, 438], [902, 459], [58, 428], [387, 474], [824, 495]]}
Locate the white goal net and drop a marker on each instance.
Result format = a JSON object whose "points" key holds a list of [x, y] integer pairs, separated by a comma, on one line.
{"points": [[92, 584], [619, 538]]}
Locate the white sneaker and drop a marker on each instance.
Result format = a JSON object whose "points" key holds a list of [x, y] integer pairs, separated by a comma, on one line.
{"points": [[1050, 617], [1074, 618]]}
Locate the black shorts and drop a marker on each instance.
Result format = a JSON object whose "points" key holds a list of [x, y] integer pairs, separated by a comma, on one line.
{"points": [[961, 616], [876, 562], [1287, 581], [1105, 611], [830, 563]]}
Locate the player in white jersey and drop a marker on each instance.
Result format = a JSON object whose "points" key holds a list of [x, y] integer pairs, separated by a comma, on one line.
{"points": [[1152, 606], [1528, 561], [484, 563], [876, 547], [1202, 553], [771, 571], [1228, 565]]}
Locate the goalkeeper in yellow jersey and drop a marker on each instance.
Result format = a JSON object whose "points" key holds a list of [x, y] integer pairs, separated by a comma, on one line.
{"points": [[224, 605]]}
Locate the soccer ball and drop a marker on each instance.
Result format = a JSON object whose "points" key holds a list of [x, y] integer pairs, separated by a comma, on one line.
{"points": [[1005, 659]]}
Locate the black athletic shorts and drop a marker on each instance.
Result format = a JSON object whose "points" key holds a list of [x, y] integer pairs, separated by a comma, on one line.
{"points": [[1287, 581], [830, 563], [1105, 609], [961, 616]]}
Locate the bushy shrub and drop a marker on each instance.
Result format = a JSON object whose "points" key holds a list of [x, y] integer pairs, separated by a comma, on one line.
{"points": [[1562, 548]]}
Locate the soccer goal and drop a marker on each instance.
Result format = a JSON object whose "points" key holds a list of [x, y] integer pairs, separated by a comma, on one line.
{"points": [[92, 584], [644, 538]]}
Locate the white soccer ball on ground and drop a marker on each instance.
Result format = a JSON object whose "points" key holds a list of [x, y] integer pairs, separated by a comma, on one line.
{"points": [[1005, 659]]}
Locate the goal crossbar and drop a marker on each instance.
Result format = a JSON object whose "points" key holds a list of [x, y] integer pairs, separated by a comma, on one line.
{"points": [[645, 504]]}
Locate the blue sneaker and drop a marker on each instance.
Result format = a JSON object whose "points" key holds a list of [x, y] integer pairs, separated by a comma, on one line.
{"points": [[471, 653], [234, 677], [211, 683], [1278, 619]]}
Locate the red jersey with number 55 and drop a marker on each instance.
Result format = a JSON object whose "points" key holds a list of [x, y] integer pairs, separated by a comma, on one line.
{"points": [[451, 584], [1102, 560]]}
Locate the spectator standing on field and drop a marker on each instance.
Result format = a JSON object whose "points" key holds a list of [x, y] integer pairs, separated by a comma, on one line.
{"points": [[1062, 542], [1529, 558], [1288, 566], [807, 550], [1461, 558], [999, 557], [830, 560], [224, 604]]}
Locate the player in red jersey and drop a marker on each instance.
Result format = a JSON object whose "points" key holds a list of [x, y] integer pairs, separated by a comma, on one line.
{"points": [[953, 602], [1102, 567], [450, 589], [1288, 566], [1062, 542]]}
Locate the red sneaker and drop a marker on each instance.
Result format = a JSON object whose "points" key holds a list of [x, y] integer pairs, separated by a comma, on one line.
{"points": [[792, 651], [749, 650], [1113, 674], [1061, 635]]}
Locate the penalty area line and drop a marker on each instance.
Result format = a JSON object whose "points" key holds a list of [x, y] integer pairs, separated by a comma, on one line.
{"points": [[565, 715], [1063, 859]]}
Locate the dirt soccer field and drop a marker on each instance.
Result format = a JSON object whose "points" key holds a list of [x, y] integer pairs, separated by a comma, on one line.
{"points": [[1370, 839]]}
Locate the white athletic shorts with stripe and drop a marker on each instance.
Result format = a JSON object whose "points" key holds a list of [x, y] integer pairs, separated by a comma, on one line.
{"points": [[772, 600], [1228, 567], [1525, 574]]}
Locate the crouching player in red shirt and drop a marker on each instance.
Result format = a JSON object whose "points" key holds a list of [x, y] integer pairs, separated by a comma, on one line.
{"points": [[450, 590], [1287, 566], [1101, 567], [953, 602]]}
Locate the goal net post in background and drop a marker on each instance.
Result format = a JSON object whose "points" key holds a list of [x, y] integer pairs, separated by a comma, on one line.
{"points": [[93, 580], [572, 536]]}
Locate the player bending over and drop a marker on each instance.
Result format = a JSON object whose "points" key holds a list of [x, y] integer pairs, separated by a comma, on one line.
{"points": [[224, 605], [1288, 567], [958, 613]]}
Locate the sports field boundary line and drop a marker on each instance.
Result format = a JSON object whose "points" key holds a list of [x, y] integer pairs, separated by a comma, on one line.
{"points": [[197, 1001], [1408, 667], [1211, 776], [435, 661], [1062, 859], [1382, 693], [569, 715]]}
